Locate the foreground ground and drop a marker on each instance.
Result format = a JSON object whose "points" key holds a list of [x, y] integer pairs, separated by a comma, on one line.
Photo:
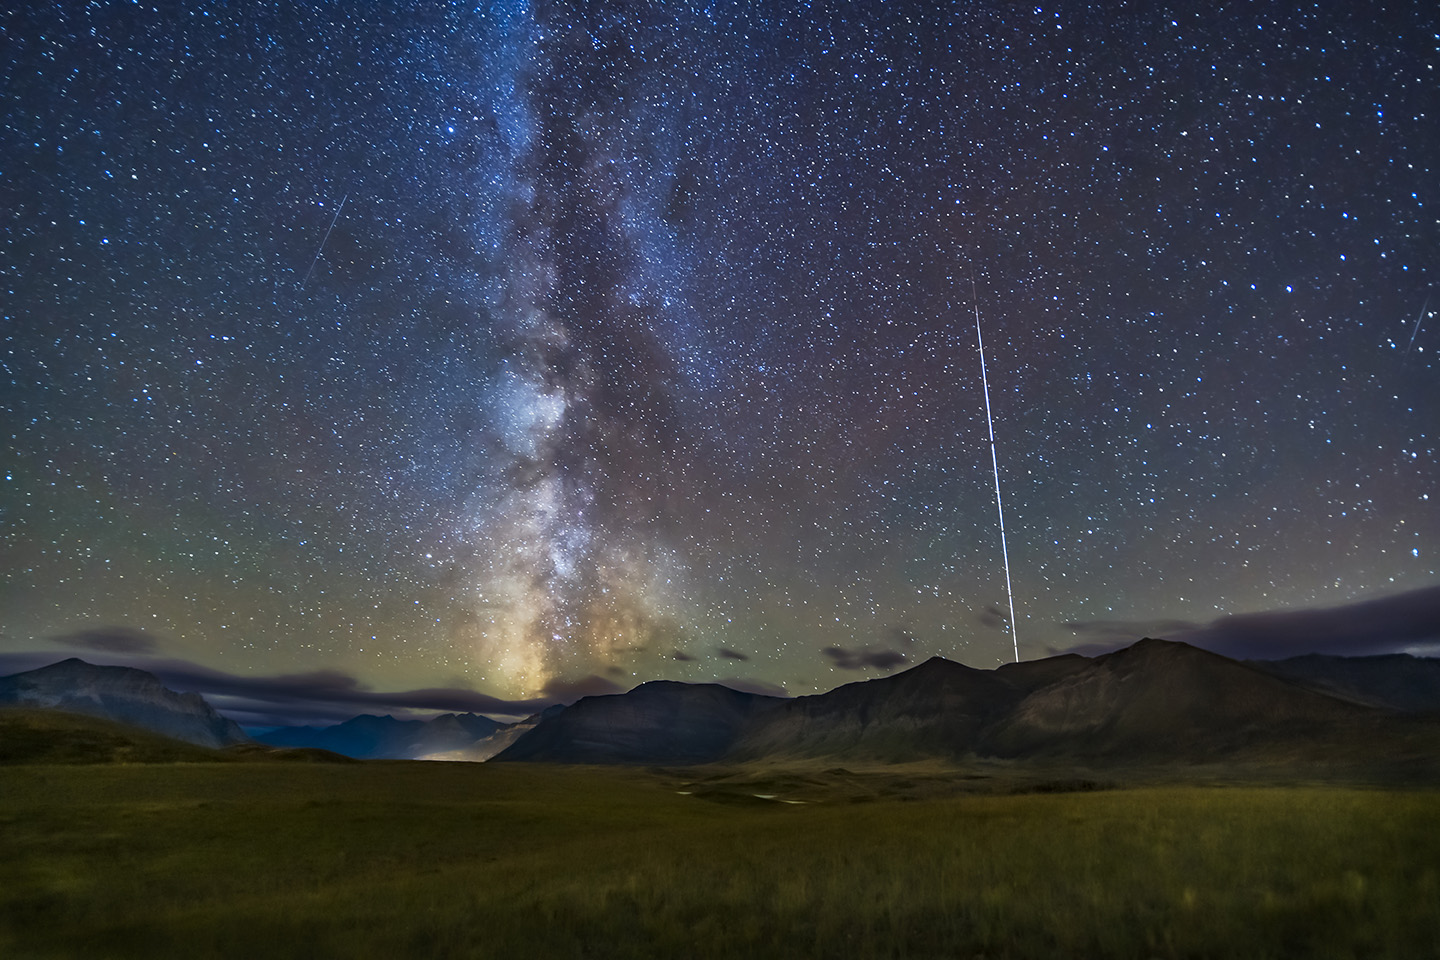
{"points": [[462, 860]]}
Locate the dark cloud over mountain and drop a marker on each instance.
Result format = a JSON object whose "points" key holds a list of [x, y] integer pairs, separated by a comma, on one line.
{"points": [[893, 651], [109, 640], [568, 691], [313, 697], [861, 659], [1403, 622]]}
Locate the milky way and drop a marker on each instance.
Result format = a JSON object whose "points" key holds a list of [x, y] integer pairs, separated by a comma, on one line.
{"points": [[584, 459], [552, 347]]}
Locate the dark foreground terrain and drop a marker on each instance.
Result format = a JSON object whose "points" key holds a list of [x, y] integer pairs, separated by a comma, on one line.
{"points": [[402, 859]]}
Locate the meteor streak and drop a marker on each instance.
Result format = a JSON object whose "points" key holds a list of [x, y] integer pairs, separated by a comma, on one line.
{"points": [[333, 220], [995, 463], [1419, 319]]}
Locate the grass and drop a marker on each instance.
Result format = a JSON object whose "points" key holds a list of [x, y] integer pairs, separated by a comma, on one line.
{"points": [[512, 860], [52, 736], [43, 736]]}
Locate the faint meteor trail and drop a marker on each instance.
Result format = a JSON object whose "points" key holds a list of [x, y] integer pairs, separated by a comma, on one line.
{"points": [[1419, 319], [995, 464], [333, 220]]}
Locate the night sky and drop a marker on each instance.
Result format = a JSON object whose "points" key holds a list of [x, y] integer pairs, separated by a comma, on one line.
{"points": [[534, 348]]}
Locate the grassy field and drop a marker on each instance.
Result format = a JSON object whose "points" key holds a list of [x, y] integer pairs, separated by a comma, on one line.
{"points": [[392, 860]]}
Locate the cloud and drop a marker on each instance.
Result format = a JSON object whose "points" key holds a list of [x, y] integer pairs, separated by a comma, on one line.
{"points": [[1382, 625], [568, 691], [109, 640], [320, 696], [1403, 622], [343, 693], [729, 654], [894, 650], [864, 657], [992, 618], [681, 655]]}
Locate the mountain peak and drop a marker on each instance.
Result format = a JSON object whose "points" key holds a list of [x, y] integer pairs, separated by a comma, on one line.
{"points": [[74, 666], [1154, 650], [655, 685], [1151, 644]]}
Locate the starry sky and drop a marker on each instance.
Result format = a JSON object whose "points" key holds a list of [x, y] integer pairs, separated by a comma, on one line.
{"points": [[532, 348]]}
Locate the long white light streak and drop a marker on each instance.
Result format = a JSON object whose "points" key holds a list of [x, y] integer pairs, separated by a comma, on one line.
{"points": [[995, 464], [333, 220]]}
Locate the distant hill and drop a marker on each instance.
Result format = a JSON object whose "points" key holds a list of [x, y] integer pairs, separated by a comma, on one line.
{"points": [[658, 722], [1154, 703], [264, 753], [122, 694], [937, 709], [369, 737], [1395, 681], [1164, 701], [30, 735]]}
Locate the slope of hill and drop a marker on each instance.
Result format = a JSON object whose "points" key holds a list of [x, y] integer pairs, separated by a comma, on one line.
{"points": [[30, 735], [122, 694], [1158, 700], [934, 709], [36, 735], [1395, 681], [937, 709]]}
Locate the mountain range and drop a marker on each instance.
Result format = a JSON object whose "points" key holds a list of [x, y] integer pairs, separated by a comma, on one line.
{"points": [[1155, 703]]}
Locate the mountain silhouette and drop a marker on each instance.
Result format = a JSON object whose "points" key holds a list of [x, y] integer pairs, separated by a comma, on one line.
{"points": [[662, 721], [123, 694], [1156, 702], [1393, 681], [919, 713]]}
